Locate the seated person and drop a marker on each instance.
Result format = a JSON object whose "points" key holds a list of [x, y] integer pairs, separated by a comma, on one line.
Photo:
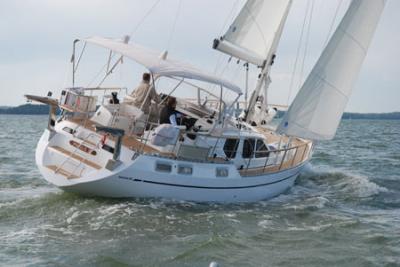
{"points": [[114, 98], [168, 114], [144, 93]]}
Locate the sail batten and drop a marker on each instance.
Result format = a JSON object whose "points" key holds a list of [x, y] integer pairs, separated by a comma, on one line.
{"points": [[318, 107]]}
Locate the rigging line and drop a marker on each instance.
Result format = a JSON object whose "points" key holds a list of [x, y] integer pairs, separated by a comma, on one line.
{"points": [[234, 75], [333, 22], [98, 73], [80, 56], [221, 55], [144, 18], [306, 44], [229, 16], [213, 86], [130, 35], [298, 53], [174, 25]]}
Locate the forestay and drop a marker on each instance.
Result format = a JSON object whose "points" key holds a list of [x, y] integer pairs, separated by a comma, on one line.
{"points": [[317, 109], [252, 35], [158, 65]]}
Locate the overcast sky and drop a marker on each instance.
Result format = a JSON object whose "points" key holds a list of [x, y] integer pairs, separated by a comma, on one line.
{"points": [[36, 43]]}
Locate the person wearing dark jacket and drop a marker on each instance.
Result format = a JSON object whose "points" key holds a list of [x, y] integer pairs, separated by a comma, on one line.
{"points": [[168, 114]]}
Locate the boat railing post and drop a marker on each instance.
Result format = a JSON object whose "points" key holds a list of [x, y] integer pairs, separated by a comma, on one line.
{"points": [[145, 127], [248, 165], [142, 135], [266, 161], [288, 144], [215, 146], [283, 159], [294, 157], [176, 143], [305, 147]]}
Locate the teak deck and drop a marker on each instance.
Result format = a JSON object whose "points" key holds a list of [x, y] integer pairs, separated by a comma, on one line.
{"points": [[77, 157]]}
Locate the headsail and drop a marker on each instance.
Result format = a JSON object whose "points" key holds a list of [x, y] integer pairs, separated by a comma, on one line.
{"points": [[318, 107], [253, 34]]}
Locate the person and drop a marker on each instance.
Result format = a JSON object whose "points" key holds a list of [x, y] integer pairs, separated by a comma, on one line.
{"points": [[168, 113], [114, 98], [144, 93]]}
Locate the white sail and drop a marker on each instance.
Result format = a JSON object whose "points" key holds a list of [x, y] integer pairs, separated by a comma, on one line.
{"points": [[253, 34], [317, 109]]}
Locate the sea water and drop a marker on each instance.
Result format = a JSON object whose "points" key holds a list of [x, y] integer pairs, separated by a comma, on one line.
{"points": [[344, 210]]}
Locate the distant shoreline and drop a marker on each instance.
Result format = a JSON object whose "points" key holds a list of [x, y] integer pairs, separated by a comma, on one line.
{"points": [[31, 109]]}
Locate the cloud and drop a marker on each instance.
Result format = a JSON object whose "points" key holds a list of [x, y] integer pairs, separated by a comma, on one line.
{"points": [[36, 42]]}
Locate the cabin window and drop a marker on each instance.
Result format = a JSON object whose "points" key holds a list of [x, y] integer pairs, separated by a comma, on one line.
{"points": [[184, 169], [261, 149], [163, 167], [248, 148], [222, 172], [230, 148]]}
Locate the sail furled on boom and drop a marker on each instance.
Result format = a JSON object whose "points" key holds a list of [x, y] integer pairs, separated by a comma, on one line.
{"points": [[254, 32], [318, 107]]}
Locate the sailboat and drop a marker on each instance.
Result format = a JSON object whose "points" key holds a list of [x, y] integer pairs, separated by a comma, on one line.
{"points": [[104, 147]]}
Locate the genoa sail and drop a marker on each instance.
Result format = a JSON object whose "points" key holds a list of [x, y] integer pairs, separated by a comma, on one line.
{"points": [[318, 107], [252, 35]]}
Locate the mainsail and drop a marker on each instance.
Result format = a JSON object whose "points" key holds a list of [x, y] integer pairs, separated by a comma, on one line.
{"points": [[253, 33], [253, 37], [318, 107]]}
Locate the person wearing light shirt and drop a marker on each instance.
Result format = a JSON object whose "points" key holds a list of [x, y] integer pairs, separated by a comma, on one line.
{"points": [[142, 96]]}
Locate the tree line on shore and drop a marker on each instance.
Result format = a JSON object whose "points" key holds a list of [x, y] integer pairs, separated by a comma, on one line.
{"points": [[32, 109]]}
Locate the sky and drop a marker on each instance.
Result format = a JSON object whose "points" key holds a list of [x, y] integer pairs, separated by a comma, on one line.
{"points": [[36, 43]]}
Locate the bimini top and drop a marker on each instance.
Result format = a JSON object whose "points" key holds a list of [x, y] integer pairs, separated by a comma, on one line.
{"points": [[157, 65]]}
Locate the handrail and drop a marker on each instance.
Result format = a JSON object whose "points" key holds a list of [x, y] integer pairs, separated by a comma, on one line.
{"points": [[292, 159], [104, 88], [287, 156]]}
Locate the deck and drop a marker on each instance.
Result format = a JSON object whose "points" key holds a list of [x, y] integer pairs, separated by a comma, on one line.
{"points": [[297, 152]]}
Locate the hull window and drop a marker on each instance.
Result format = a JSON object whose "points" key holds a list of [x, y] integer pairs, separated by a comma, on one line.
{"points": [[222, 172], [185, 170], [163, 167]]}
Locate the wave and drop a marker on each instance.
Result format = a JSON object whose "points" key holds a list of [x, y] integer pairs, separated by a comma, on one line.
{"points": [[340, 181]]}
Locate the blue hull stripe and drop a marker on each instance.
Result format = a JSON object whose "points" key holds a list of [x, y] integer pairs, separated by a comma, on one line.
{"points": [[205, 187]]}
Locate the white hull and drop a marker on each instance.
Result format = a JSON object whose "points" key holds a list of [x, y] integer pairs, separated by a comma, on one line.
{"points": [[247, 189], [138, 179]]}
